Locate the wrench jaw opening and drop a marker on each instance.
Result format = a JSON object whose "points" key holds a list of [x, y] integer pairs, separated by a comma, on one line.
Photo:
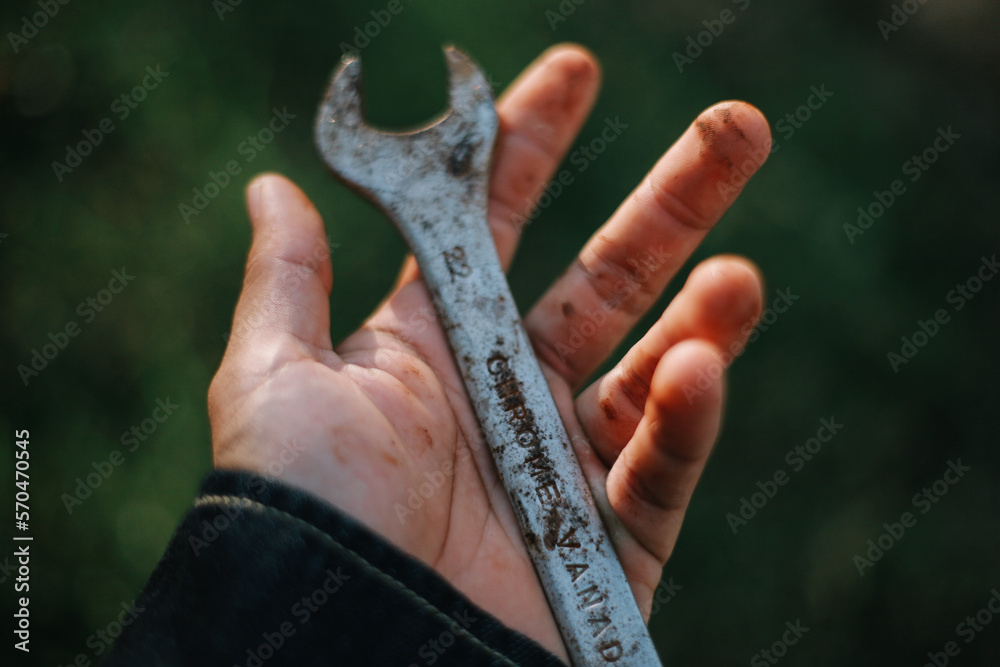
{"points": [[443, 164]]}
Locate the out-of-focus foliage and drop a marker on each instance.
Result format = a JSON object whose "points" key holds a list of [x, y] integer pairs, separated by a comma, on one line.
{"points": [[826, 357]]}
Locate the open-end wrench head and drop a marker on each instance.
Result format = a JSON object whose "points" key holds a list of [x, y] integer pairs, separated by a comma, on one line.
{"points": [[452, 152]]}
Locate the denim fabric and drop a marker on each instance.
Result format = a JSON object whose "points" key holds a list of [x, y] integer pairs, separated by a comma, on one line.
{"points": [[260, 573]]}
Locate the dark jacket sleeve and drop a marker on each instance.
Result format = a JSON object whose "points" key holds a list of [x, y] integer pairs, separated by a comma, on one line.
{"points": [[259, 573]]}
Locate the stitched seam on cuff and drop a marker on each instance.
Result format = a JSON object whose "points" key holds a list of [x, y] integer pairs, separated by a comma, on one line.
{"points": [[246, 503]]}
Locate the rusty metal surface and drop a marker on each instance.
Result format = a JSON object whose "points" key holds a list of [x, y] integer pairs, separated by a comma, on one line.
{"points": [[433, 183]]}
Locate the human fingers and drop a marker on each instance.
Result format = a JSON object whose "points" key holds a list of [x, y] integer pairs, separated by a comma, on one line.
{"points": [[625, 266], [650, 485], [719, 304], [286, 287]]}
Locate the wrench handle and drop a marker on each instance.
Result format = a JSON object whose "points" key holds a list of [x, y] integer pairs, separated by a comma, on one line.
{"points": [[569, 545]]}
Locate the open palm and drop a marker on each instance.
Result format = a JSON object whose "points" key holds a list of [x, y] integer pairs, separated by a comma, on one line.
{"points": [[381, 426]]}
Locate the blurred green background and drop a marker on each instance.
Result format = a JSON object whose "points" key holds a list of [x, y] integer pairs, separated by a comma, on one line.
{"points": [[163, 336]]}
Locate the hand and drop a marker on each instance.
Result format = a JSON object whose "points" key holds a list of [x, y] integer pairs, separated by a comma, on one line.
{"points": [[369, 424]]}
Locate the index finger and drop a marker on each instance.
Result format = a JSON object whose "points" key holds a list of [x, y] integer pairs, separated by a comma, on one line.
{"points": [[625, 266]]}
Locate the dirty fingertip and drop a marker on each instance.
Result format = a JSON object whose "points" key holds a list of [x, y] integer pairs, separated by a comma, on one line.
{"points": [[733, 131]]}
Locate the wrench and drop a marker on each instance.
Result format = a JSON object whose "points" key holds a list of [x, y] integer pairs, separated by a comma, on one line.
{"points": [[433, 184]]}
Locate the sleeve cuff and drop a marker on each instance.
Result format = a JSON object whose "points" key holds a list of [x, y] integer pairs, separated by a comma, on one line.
{"points": [[262, 573]]}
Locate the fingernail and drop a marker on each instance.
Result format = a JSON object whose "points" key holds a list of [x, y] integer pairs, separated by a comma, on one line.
{"points": [[255, 194]]}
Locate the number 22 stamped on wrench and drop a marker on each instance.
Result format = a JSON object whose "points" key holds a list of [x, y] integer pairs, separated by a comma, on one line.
{"points": [[433, 183]]}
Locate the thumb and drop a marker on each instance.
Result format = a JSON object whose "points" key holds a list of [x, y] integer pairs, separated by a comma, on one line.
{"points": [[286, 288]]}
